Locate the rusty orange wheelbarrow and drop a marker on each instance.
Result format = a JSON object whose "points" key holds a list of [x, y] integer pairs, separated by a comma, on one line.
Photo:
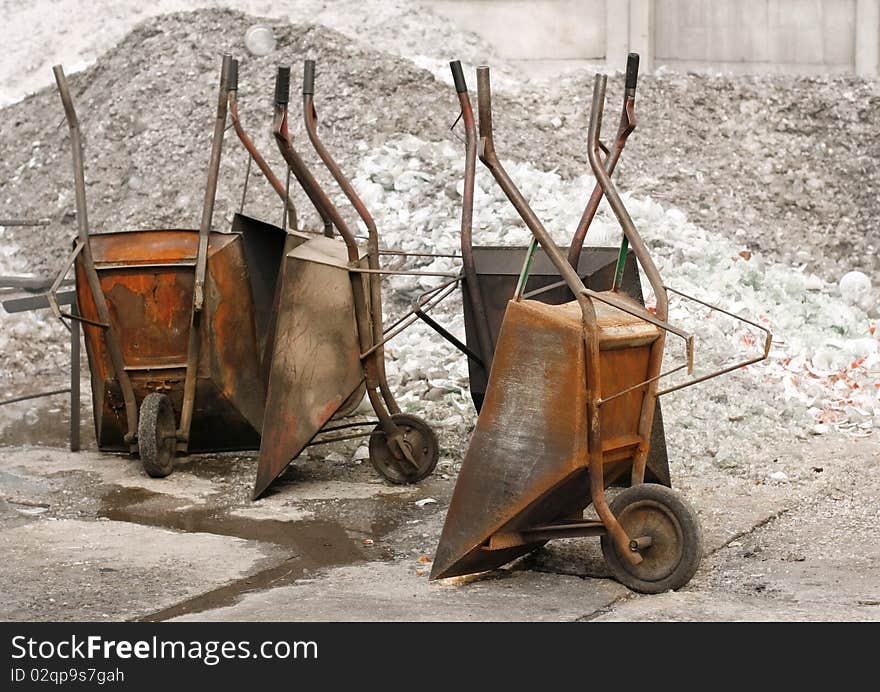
{"points": [[569, 408], [489, 273], [175, 321]]}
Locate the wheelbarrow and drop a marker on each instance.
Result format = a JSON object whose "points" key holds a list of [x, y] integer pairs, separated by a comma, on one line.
{"points": [[175, 321], [329, 335], [570, 407], [489, 273]]}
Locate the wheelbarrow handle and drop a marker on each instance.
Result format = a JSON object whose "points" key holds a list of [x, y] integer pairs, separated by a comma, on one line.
{"points": [[624, 129], [282, 86], [308, 78], [632, 71], [232, 77], [458, 77]]}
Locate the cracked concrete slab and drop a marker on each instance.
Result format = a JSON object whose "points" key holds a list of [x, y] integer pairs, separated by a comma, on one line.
{"points": [[118, 469], [110, 570], [382, 591]]}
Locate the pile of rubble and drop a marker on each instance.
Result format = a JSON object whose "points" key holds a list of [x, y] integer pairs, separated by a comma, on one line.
{"points": [[742, 187]]}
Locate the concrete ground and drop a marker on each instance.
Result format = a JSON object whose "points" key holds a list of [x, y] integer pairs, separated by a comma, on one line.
{"points": [[88, 536]]}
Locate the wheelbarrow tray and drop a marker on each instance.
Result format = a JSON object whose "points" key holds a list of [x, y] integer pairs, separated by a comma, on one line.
{"points": [[498, 269], [147, 278], [527, 463], [316, 371]]}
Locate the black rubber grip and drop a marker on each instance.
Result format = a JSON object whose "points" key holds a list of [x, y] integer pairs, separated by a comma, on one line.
{"points": [[282, 86], [458, 76], [233, 76], [632, 70], [309, 77]]}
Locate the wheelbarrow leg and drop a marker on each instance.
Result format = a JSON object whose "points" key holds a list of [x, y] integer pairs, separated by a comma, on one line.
{"points": [[594, 447], [74, 381]]}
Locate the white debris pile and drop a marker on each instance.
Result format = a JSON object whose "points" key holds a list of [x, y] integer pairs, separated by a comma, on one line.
{"points": [[386, 104], [822, 370], [80, 35]]}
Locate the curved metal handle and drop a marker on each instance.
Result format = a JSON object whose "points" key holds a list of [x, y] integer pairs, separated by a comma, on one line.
{"points": [[617, 206]]}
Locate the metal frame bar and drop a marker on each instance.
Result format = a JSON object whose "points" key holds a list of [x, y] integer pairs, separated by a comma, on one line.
{"points": [[304, 176], [111, 338], [485, 344], [310, 118], [410, 318], [768, 342], [201, 268], [591, 336]]}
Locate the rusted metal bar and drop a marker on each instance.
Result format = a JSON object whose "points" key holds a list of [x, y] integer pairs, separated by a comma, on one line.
{"points": [[52, 293], [768, 335], [408, 319], [111, 337], [341, 438], [649, 401], [593, 383], [627, 125], [74, 382], [24, 222], [354, 269], [484, 338], [39, 395], [310, 118], [648, 317], [418, 254], [548, 532], [768, 343], [421, 302], [192, 360], [255, 155]]}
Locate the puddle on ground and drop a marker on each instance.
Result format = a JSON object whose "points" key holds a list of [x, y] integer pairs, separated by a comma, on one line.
{"points": [[320, 540], [314, 543]]}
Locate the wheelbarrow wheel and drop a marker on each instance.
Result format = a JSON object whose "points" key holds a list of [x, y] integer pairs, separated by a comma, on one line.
{"points": [[156, 435], [420, 439], [655, 512]]}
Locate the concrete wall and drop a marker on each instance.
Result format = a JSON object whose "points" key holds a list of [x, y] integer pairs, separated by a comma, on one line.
{"points": [[803, 36]]}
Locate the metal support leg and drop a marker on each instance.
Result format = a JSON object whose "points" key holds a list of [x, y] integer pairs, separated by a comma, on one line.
{"points": [[74, 380]]}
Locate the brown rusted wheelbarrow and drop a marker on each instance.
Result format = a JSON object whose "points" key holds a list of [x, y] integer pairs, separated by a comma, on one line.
{"points": [[570, 407], [329, 333], [175, 321], [490, 273]]}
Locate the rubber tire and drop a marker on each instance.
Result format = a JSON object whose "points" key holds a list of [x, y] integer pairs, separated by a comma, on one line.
{"points": [[155, 422], [647, 496], [427, 458]]}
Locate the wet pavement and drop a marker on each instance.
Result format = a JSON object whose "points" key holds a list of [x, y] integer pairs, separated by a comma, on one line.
{"points": [[89, 536]]}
